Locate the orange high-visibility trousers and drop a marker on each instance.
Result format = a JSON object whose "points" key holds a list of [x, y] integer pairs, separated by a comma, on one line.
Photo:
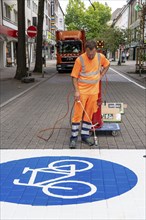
{"points": [[89, 103]]}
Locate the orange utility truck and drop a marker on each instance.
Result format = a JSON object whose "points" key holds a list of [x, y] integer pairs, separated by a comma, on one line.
{"points": [[70, 45]]}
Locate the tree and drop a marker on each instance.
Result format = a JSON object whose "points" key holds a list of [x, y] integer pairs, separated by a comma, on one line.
{"points": [[93, 19], [113, 37], [38, 62], [21, 50], [75, 15], [96, 19]]}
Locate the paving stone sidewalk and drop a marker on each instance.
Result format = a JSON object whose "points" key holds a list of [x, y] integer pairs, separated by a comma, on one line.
{"points": [[10, 87], [40, 109], [128, 68]]}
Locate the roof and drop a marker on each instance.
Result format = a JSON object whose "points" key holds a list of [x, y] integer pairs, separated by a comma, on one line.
{"points": [[115, 13]]}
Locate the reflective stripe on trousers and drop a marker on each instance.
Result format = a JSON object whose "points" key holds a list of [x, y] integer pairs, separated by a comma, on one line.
{"points": [[75, 130], [86, 127]]}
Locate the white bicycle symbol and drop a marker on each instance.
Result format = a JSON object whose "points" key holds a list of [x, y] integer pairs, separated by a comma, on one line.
{"points": [[67, 171]]}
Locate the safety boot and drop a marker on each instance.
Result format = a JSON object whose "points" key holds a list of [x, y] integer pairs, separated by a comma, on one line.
{"points": [[85, 136], [73, 143], [88, 140]]}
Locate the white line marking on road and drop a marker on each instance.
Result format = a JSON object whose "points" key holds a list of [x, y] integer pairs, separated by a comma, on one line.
{"points": [[20, 94], [25, 91], [142, 87]]}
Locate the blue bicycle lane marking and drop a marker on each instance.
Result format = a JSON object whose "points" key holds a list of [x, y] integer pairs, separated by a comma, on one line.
{"points": [[63, 180]]}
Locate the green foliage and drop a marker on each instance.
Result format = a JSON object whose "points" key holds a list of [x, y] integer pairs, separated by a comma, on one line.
{"points": [[144, 57], [113, 37], [75, 15], [94, 20]]}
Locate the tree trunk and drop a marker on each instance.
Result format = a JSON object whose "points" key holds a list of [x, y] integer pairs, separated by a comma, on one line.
{"points": [[38, 62], [21, 51]]}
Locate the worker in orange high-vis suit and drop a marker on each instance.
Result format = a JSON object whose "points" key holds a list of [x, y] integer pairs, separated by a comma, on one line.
{"points": [[86, 74]]}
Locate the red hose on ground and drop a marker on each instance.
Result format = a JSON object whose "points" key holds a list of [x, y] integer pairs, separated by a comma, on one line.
{"points": [[54, 128]]}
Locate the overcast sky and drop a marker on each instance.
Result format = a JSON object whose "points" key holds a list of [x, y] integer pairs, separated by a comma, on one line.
{"points": [[114, 4]]}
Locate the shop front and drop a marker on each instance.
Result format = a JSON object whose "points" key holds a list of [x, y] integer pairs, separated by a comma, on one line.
{"points": [[8, 46]]}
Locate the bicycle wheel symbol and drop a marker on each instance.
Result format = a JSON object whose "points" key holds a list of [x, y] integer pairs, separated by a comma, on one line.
{"points": [[71, 191], [55, 165], [91, 189]]}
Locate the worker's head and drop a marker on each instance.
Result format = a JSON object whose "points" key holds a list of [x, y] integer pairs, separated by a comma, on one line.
{"points": [[91, 49]]}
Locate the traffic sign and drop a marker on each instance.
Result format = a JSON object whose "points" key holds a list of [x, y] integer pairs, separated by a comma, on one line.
{"points": [[100, 43], [31, 31]]}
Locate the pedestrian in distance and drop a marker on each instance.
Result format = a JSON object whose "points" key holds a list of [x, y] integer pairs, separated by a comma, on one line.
{"points": [[123, 57], [127, 56], [86, 74]]}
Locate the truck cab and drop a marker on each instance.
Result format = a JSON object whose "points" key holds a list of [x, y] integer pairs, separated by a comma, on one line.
{"points": [[70, 45]]}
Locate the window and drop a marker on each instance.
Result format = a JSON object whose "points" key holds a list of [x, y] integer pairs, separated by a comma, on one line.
{"points": [[60, 20], [15, 16], [28, 23], [70, 47], [28, 3], [134, 13], [34, 7], [49, 9], [46, 5], [49, 24], [34, 21], [46, 20], [7, 11]]}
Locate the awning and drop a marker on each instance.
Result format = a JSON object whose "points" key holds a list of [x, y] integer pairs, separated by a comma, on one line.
{"points": [[8, 33]]}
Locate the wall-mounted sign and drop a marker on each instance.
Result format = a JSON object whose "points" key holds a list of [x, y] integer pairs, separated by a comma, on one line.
{"points": [[52, 8]]}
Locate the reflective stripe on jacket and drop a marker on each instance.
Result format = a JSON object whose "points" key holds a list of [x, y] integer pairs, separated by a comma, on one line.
{"points": [[89, 77]]}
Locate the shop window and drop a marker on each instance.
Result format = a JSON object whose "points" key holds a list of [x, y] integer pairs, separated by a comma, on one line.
{"points": [[8, 54]]}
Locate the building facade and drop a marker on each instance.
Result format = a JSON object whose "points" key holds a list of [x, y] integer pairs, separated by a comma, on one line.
{"points": [[8, 32], [130, 18], [53, 20], [121, 21], [134, 26], [61, 25]]}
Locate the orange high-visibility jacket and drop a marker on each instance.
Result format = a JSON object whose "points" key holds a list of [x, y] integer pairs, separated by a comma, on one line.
{"points": [[88, 72]]}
